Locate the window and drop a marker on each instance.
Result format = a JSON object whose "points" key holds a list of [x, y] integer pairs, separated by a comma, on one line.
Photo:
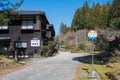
{"points": [[3, 26], [47, 27], [27, 24], [21, 44], [48, 34]]}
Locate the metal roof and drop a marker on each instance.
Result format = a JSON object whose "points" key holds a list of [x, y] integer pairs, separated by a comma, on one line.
{"points": [[30, 12]]}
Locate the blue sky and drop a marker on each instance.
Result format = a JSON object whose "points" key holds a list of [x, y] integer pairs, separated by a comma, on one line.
{"points": [[58, 11]]}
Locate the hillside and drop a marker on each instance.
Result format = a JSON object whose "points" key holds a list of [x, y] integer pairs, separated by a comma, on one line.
{"points": [[108, 46], [105, 42]]}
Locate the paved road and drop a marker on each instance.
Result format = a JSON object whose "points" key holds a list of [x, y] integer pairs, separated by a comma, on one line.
{"points": [[60, 67]]}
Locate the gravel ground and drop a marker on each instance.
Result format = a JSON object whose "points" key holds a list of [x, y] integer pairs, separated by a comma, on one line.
{"points": [[60, 67]]}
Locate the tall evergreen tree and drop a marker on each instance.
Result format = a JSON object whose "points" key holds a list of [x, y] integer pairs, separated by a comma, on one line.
{"points": [[63, 28], [115, 14], [116, 8], [76, 18], [80, 19], [92, 18], [8, 7]]}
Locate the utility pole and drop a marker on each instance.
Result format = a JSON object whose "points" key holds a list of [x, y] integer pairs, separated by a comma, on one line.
{"points": [[76, 38]]}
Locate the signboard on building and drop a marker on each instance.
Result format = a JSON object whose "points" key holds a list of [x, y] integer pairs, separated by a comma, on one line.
{"points": [[35, 42], [21, 44]]}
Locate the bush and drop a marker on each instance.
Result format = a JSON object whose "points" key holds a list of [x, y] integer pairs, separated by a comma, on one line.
{"points": [[101, 43], [48, 50], [68, 47], [84, 47], [110, 75], [81, 46], [44, 50], [2, 51]]}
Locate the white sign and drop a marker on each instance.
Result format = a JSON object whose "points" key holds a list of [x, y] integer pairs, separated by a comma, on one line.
{"points": [[92, 35], [35, 43], [21, 45]]}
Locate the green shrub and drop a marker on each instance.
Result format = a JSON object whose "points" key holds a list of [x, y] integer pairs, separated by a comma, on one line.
{"points": [[2, 51], [44, 50], [81, 46], [110, 75], [68, 47], [48, 50], [101, 43]]}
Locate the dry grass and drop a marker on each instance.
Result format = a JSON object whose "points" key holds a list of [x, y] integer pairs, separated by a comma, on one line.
{"points": [[83, 70], [6, 60], [12, 65]]}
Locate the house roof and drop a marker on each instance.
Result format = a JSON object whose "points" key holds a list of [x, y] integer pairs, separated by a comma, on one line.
{"points": [[30, 12], [27, 12]]}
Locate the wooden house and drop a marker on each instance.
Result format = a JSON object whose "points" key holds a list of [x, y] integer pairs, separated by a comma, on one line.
{"points": [[26, 32]]}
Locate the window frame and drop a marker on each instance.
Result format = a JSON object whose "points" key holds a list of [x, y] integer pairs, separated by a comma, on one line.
{"points": [[27, 24], [3, 26], [19, 44]]}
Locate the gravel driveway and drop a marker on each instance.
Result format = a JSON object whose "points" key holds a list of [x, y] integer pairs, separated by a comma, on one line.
{"points": [[60, 67]]}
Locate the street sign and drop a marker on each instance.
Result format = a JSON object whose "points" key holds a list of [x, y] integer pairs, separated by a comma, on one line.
{"points": [[92, 35]]}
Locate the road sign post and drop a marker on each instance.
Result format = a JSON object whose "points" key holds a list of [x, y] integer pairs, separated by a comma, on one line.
{"points": [[92, 35]]}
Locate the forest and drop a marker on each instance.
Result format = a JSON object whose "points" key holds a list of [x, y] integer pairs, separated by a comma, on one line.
{"points": [[105, 19]]}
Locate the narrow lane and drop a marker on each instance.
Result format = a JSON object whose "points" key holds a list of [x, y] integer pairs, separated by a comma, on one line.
{"points": [[60, 67]]}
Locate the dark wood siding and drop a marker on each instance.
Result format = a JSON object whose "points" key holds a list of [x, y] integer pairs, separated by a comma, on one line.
{"points": [[16, 33]]}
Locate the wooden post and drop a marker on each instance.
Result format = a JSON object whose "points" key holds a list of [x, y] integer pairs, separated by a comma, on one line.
{"points": [[16, 55]]}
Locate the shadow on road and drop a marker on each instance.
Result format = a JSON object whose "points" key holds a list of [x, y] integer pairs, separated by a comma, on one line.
{"points": [[87, 59], [83, 59]]}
